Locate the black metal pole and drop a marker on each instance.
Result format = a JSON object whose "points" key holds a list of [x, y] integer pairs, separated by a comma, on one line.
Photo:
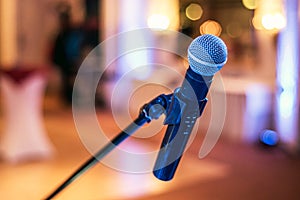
{"points": [[152, 110], [141, 120]]}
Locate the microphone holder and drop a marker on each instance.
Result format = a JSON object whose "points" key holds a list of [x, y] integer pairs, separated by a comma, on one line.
{"points": [[162, 104], [152, 110]]}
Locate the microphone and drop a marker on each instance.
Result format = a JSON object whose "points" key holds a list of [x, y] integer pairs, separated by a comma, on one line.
{"points": [[206, 55]]}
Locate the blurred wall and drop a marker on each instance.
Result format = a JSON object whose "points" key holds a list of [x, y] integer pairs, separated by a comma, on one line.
{"points": [[25, 32], [8, 32]]}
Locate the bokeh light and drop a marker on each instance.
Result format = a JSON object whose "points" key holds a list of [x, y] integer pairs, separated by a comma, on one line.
{"points": [[194, 11], [250, 4], [269, 137], [211, 27], [256, 21], [273, 21], [234, 29], [269, 16], [268, 21], [158, 22]]}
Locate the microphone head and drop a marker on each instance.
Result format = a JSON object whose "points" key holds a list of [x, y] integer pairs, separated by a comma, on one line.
{"points": [[207, 54]]}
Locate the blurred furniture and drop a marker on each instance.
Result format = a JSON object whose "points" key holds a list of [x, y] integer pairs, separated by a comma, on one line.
{"points": [[249, 107], [24, 136]]}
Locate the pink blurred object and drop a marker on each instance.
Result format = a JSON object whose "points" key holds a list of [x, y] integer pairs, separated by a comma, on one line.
{"points": [[24, 136]]}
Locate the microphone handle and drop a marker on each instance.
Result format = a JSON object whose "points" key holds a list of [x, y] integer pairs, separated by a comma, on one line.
{"points": [[173, 146], [187, 105]]}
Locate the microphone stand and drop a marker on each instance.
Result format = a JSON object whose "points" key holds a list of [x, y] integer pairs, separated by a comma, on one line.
{"points": [[152, 110]]}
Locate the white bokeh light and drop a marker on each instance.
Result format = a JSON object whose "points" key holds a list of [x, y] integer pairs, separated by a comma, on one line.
{"points": [[158, 22]]}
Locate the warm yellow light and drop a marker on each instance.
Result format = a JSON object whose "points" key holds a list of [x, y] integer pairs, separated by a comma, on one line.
{"points": [[273, 21], [280, 19], [250, 4], [194, 11], [267, 21], [269, 16], [256, 21], [158, 22], [167, 8], [211, 27]]}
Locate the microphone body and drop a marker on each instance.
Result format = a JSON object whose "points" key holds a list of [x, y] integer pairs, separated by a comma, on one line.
{"points": [[187, 105], [206, 54]]}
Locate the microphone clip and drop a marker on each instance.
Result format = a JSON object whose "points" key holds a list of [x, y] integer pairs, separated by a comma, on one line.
{"points": [[179, 104], [172, 105], [156, 107]]}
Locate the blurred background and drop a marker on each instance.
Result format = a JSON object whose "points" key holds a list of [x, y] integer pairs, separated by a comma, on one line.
{"points": [[43, 43]]}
